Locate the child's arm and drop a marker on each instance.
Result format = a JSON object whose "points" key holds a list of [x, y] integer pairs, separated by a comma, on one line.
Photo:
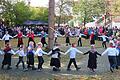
{"points": [[43, 52], [98, 53], [49, 52], [67, 51], [79, 51], [105, 52], [86, 53]]}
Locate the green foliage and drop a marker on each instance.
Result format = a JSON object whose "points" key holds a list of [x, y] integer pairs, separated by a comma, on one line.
{"points": [[39, 13], [17, 12], [86, 9], [21, 12]]}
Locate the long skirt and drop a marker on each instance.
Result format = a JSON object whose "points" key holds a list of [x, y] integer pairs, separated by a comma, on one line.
{"points": [[55, 62], [92, 63], [20, 42], [30, 59], [7, 59]]}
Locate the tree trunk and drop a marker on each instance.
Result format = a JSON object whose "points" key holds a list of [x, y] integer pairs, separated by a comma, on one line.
{"points": [[51, 24], [59, 20]]}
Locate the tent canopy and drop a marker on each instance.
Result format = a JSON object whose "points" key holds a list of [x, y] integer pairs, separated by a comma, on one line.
{"points": [[35, 22]]}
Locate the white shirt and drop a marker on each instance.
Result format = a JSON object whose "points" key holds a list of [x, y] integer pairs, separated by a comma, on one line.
{"points": [[103, 37], [20, 53], [72, 52], [80, 35], [6, 37], [111, 52], [56, 54], [40, 52]]}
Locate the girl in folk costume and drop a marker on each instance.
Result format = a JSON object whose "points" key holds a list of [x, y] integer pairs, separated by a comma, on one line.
{"points": [[72, 52], [112, 52], [6, 37], [92, 61], [30, 55], [92, 38], [43, 38], [31, 35], [39, 52], [7, 56], [21, 54], [19, 36], [55, 58]]}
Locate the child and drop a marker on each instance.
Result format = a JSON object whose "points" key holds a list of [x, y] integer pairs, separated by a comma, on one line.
{"points": [[40, 53], [21, 56], [92, 61], [7, 56], [72, 52], [6, 37], [104, 40], [112, 52], [55, 58], [30, 55]]}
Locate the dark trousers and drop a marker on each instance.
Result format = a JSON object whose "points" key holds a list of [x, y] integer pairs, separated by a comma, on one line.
{"points": [[112, 61], [21, 60], [40, 62], [104, 44], [6, 41], [79, 42], [72, 60], [55, 39]]}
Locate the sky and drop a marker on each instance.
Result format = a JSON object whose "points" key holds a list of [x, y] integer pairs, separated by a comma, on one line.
{"points": [[40, 3]]}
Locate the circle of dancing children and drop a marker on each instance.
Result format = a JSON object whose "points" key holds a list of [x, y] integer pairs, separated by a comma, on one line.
{"points": [[92, 61]]}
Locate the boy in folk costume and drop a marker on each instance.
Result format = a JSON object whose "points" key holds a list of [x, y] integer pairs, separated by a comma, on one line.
{"points": [[39, 52], [112, 52], [104, 40], [67, 38], [79, 39], [92, 61], [72, 52], [21, 54], [55, 57], [6, 37], [30, 56], [7, 56]]}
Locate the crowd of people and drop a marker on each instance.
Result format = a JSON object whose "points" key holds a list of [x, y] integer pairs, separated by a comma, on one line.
{"points": [[106, 34]]}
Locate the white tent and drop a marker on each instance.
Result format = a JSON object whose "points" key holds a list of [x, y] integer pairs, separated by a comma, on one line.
{"points": [[91, 24]]}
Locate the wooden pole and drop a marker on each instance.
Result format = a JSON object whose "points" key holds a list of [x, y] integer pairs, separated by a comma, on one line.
{"points": [[51, 21]]}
